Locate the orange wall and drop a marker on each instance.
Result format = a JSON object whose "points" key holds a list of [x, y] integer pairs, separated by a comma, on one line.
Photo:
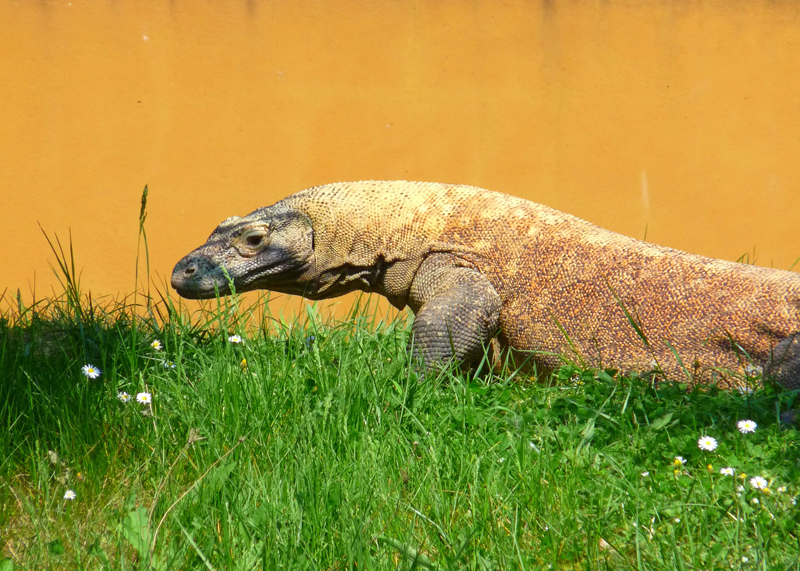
{"points": [[682, 117]]}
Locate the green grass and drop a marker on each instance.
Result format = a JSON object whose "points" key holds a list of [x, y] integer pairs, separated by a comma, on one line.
{"points": [[314, 445], [325, 451]]}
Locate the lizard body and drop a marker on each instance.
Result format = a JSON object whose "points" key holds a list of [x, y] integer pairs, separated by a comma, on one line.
{"points": [[477, 266]]}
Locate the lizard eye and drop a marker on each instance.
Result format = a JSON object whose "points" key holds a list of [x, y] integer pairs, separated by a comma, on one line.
{"points": [[252, 241]]}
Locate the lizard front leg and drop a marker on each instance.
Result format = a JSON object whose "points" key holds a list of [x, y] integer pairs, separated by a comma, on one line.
{"points": [[457, 312]]}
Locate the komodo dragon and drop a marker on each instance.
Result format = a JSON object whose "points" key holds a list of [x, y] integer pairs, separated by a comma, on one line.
{"points": [[479, 267]]}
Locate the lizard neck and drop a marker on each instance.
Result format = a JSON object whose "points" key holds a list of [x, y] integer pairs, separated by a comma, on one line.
{"points": [[389, 279]]}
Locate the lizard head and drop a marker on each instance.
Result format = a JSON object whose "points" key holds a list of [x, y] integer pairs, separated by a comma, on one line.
{"points": [[266, 249]]}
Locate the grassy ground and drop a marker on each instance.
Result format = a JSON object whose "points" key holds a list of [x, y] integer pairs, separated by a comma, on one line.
{"points": [[313, 446]]}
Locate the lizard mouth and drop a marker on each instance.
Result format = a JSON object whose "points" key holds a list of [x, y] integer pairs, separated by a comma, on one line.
{"points": [[199, 293], [281, 276]]}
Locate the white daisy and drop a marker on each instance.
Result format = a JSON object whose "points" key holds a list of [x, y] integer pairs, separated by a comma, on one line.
{"points": [[123, 396], [156, 345], [645, 474], [168, 364], [144, 398], [755, 501], [679, 461], [726, 471], [90, 371], [781, 489], [758, 483], [235, 339], [70, 495], [746, 426], [745, 559], [707, 443]]}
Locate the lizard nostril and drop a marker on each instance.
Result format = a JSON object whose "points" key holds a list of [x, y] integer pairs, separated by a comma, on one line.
{"points": [[190, 270]]}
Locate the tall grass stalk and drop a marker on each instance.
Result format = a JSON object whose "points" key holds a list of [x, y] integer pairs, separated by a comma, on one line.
{"points": [[141, 237]]}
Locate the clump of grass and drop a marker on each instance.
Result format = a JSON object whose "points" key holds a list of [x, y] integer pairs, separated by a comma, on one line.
{"points": [[315, 445], [311, 444]]}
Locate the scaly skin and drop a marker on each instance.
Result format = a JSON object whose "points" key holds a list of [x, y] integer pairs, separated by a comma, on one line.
{"points": [[482, 268]]}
